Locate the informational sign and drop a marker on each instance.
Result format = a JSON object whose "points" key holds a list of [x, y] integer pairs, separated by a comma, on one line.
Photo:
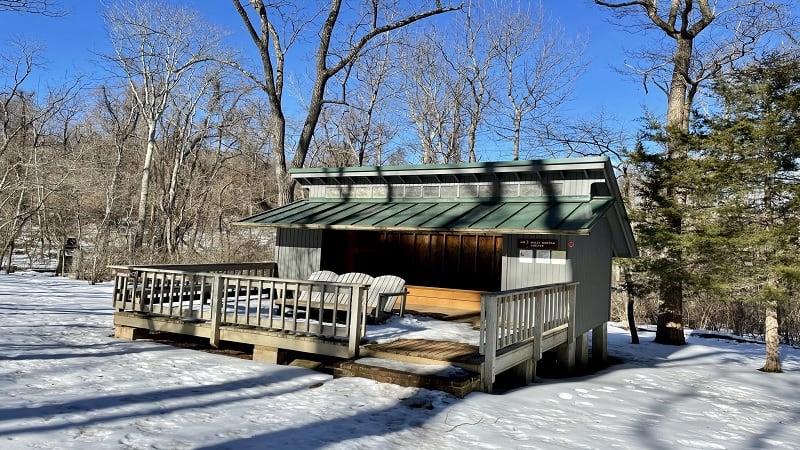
{"points": [[541, 251], [537, 244], [543, 256]]}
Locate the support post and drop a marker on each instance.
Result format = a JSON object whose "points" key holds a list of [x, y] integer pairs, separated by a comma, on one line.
{"points": [[489, 323], [566, 351], [130, 333], [357, 322], [525, 370], [217, 300], [600, 343], [538, 317], [566, 356], [582, 351], [272, 355]]}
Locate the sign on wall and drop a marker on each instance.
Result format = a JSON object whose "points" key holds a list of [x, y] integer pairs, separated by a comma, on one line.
{"points": [[540, 251], [537, 244]]}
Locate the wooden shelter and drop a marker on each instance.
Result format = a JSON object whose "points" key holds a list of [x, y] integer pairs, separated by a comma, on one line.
{"points": [[528, 244], [459, 231]]}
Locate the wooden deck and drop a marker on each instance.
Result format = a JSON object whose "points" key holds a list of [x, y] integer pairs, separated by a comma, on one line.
{"points": [[515, 326]]}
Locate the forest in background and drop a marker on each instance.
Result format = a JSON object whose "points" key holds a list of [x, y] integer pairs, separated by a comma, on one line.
{"points": [[185, 136]]}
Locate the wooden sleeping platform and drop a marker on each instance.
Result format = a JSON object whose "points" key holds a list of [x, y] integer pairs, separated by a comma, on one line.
{"points": [[443, 302]]}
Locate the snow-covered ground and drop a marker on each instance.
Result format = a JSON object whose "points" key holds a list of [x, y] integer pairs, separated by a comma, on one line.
{"points": [[65, 382]]}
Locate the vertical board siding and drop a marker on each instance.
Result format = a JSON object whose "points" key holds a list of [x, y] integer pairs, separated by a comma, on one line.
{"points": [[516, 274], [591, 260], [446, 260], [298, 252], [588, 262]]}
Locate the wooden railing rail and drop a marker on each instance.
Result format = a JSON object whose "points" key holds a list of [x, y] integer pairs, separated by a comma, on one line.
{"points": [[260, 269], [258, 302], [521, 316]]}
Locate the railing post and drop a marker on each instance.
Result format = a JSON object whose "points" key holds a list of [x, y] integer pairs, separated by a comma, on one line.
{"points": [[538, 329], [489, 342], [567, 351], [357, 327], [217, 301]]}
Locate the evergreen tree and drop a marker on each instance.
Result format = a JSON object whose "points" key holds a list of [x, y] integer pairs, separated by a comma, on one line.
{"points": [[749, 199]]}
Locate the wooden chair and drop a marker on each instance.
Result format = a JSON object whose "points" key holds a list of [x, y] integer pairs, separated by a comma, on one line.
{"points": [[323, 275], [310, 294], [383, 294]]}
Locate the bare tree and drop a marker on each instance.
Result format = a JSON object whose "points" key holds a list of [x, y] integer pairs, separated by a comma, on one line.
{"points": [[276, 26], [697, 40], [43, 7], [480, 55], [358, 131], [30, 144], [436, 98], [540, 65], [366, 129], [156, 45]]}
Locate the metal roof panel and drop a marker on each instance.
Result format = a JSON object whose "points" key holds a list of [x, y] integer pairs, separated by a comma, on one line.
{"points": [[567, 215]]}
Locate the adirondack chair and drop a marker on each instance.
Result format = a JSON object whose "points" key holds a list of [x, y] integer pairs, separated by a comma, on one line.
{"points": [[323, 275], [383, 294], [316, 295], [350, 277], [312, 295]]}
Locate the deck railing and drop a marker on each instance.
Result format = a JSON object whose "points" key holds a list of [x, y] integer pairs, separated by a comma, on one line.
{"points": [[511, 319], [258, 302], [258, 269]]}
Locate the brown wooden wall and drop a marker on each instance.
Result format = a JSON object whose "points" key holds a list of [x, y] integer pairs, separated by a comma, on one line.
{"points": [[449, 260]]}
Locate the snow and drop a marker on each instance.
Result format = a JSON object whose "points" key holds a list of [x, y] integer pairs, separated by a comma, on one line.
{"points": [[411, 327], [65, 382]]}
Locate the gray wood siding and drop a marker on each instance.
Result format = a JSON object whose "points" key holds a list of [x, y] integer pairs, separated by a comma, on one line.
{"points": [[588, 262], [298, 252], [591, 260], [518, 274]]}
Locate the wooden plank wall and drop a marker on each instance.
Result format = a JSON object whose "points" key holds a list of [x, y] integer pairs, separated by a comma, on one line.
{"points": [[591, 263], [446, 260], [297, 252], [517, 274], [588, 262]]}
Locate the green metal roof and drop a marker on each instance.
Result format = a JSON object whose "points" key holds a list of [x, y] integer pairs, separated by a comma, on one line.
{"points": [[574, 215]]}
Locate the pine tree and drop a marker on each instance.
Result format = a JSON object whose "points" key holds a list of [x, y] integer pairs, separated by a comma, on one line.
{"points": [[750, 198]]}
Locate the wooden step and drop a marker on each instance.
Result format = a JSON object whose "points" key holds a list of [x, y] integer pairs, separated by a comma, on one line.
{"points": [[424, 351], [456, 382]]}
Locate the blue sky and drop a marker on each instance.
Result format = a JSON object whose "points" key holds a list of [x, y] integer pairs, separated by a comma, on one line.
{"points": [[70, 43]]}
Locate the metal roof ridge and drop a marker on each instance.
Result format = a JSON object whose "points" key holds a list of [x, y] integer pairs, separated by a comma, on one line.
{"points": [[487, 200], [387, 170]]}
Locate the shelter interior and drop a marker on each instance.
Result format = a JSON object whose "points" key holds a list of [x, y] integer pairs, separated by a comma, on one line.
{"points": [[437, 259]]}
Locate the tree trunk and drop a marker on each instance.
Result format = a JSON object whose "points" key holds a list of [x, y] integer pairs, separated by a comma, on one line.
{"points": [[144, 191], [517, 133], [285, 186], [16, 225], [630, 310], [670, 315], [632, 322], [669, 325], [772, 338]]}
